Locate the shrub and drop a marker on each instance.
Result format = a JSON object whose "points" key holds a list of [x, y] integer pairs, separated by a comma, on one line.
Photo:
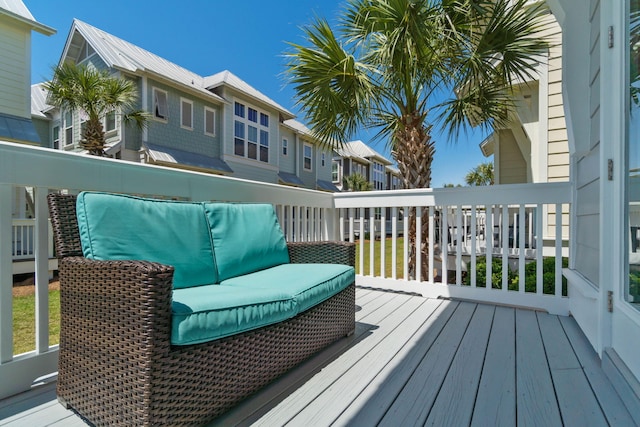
{"points": [[513, 279]]}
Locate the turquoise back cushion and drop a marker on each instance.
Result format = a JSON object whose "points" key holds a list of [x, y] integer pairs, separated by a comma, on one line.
{"points": [[118, 227], [246, 238]]}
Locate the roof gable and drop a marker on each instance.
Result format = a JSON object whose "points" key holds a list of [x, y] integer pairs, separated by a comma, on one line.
{"points": [[227, 78], [123, 55], [18, 11]]}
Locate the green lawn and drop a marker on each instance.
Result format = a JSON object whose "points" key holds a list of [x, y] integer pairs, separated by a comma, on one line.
{"points": [[387, 257], [24, 323]]}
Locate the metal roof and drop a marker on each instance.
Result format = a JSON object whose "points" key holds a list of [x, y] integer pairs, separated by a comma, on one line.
{"points": [[19, 129], [17, 10], [174, 157], [360, 150], [121, 54], [39, 101], [227, 78], [327, 186], [290, 179]]}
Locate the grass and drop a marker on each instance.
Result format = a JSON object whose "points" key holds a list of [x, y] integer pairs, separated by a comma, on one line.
{"points": [[24, 321], [376, 258]]}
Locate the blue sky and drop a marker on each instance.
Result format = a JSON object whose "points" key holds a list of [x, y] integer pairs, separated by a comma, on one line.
{"points": [[246, 37]]}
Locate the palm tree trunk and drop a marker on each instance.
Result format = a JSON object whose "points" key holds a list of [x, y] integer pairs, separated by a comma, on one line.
{"points": [[414, 150], [93, 139]]}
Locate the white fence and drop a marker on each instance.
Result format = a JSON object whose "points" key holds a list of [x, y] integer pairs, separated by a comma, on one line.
{"points": [[305, 215], [454, 256]]}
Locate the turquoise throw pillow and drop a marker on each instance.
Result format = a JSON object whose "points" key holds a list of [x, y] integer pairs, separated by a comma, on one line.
{"points": [[246, 238], [119, 227]]}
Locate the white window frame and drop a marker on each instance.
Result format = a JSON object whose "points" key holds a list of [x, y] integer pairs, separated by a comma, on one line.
{"points": [[213, 123], [337, 163], [68, 128], [285, 147], [184, 102], [305, 157], [249, 126], [105, 122], [55, 138], [158, 107], [323, 157]]}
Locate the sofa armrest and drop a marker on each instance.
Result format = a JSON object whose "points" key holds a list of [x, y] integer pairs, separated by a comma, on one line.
{"points": [[322, 252], [117, 307]]}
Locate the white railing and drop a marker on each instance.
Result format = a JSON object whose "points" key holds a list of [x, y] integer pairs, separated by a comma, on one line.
{"points": [[23, 240], [521, 220], [305, 215]]}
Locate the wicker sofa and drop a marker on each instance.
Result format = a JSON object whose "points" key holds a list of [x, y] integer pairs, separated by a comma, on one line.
{"points": [[117, 362]]}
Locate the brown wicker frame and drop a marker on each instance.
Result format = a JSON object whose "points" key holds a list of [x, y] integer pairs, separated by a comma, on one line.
{"points": [[116, 363]]}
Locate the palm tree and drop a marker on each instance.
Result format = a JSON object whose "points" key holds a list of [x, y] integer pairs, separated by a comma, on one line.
{"points": [[393, 60], [480, 175], [79, 88], [357, 182]]}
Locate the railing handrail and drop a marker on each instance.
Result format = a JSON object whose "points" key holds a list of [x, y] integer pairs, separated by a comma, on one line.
{"points": [[548, 192], [32, 167]]}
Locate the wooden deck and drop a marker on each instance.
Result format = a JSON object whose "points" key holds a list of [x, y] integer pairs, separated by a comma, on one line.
{"points": [[417, 361]]}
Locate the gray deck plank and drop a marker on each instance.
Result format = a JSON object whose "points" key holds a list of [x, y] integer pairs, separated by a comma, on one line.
{"points": [[578, 405], [372, 403], [380, 374], [559, 352], [455, 401], [536, 399], [612, 407], [496, 399], [352, 382], [386, 320], [412, 406]]}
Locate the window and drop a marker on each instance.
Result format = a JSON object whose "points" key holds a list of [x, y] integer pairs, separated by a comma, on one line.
{"points": [[160, 107], [285, 147], [322, 159], [239, 138], [253, 115], [209, 121], [308, 157], [251, 133], [264, 146], [68, 128], [378, 176], [110, 122], [239, 110], [186, 114], [56, 137], [335, 171]]}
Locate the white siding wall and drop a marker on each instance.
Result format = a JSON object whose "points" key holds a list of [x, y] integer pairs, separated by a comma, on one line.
{"points": [[587, 168], [15, 68]]}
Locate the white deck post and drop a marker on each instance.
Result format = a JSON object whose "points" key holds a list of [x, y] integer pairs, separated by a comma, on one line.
{"points": [[6, 275], [42, 270]]}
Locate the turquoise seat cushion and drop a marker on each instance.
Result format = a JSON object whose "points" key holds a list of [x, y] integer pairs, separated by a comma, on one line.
{"points": [[119, 227], [246, 238], [307, 284], [206, 313]]}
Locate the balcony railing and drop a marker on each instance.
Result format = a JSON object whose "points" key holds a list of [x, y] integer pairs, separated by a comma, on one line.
{"points": [[521, 219]]}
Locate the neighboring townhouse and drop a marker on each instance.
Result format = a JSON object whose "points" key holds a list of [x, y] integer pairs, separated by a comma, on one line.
{"points": [[534, 146], [216, 124], [356, 157], [16, 25]]}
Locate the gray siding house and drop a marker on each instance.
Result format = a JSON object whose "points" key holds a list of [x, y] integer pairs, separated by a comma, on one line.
{"points": [[356, 157], [216, 124]]}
